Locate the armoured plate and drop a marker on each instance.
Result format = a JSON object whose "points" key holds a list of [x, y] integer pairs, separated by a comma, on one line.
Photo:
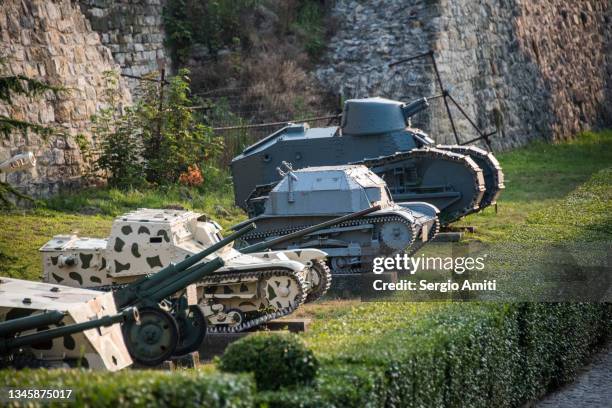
{"points": [[100, 348]]}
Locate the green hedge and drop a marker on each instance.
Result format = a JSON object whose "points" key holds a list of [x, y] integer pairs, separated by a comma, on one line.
{"points": [[461, 356], [141, 388], [275, 359]]}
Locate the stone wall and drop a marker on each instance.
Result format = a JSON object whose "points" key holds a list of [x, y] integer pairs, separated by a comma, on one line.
{"points": [[529, 69], [132, 30], [52, 41]]}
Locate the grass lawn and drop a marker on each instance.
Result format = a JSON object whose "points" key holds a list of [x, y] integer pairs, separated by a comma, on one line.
{"points": [[537, 177], [24, 231]]}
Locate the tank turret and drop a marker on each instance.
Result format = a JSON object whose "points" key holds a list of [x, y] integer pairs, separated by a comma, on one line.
{"points": [[376, 132]]}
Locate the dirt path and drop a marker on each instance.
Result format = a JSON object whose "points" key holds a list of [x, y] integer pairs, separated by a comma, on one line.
{"points": [[592, 388]]}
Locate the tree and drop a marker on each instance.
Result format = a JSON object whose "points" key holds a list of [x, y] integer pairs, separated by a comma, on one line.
{"points": [[155, 141], [173, 137], [11, 85], [117, 139]]}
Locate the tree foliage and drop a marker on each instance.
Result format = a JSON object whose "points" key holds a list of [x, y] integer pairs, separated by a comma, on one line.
{"points": [[214, 23], [154, 141], [116, 137]]}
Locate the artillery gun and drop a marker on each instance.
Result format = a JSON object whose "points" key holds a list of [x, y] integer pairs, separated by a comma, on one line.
{"points": [[248, 289], [169, 322], [312, 195], [376, 132], [86, 328]]}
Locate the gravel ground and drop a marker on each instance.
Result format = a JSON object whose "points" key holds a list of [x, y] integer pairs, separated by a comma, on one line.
{"points": [[592, 388]]}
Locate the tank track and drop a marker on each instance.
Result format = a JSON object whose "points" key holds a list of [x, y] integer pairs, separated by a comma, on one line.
{"points": [[430, 153], [323, 286], [430, 236], [266, 316], [258, 234], [217, 278], [494, 177]]}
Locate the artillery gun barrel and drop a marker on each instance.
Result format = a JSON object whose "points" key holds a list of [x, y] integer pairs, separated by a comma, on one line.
{"points": [[164, 283], [262, 246], [12, 343], [12, 326], [18, 162]]}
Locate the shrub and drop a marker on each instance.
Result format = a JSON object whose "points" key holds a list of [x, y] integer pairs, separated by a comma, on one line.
{"points": [[469, 355], [141, 388], [276, 360], [154, 141], [116, 140], [173, 138]]}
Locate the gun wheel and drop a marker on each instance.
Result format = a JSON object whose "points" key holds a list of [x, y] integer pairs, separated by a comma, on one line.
{"points": [[154, 338], [192, 330]]}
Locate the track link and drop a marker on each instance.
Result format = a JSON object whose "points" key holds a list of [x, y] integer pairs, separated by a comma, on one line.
{"points": [[429, 153], [492, 171], [259, 235], [325, 282], [217, 279]]}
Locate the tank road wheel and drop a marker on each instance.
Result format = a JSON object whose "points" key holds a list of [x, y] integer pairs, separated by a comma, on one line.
{"points": [[320, 279], [281, 291], [396, 236], [341, 264], [234, 317], [152, 340], [192, 330]]}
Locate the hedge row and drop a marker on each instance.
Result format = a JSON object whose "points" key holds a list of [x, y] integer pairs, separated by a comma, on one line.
{"points": [[137, 388], [468, 355], [461, 356]]}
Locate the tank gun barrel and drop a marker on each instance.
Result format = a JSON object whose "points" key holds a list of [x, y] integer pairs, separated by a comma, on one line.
{"points": [[262, 246], [7, 344], [156, 287], [18, 162], [414, 107]]}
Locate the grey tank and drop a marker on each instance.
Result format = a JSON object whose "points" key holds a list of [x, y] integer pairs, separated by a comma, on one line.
{"points": [[376, 132], [309, 196]]}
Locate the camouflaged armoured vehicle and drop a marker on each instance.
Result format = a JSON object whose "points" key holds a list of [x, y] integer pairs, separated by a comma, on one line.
{"points": [[311, 195], [376, 132], [247, 291], [54, 325]]}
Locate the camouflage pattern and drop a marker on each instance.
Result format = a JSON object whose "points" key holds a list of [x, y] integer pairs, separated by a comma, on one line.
{"points": [[100, 348], [146, 240]]}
